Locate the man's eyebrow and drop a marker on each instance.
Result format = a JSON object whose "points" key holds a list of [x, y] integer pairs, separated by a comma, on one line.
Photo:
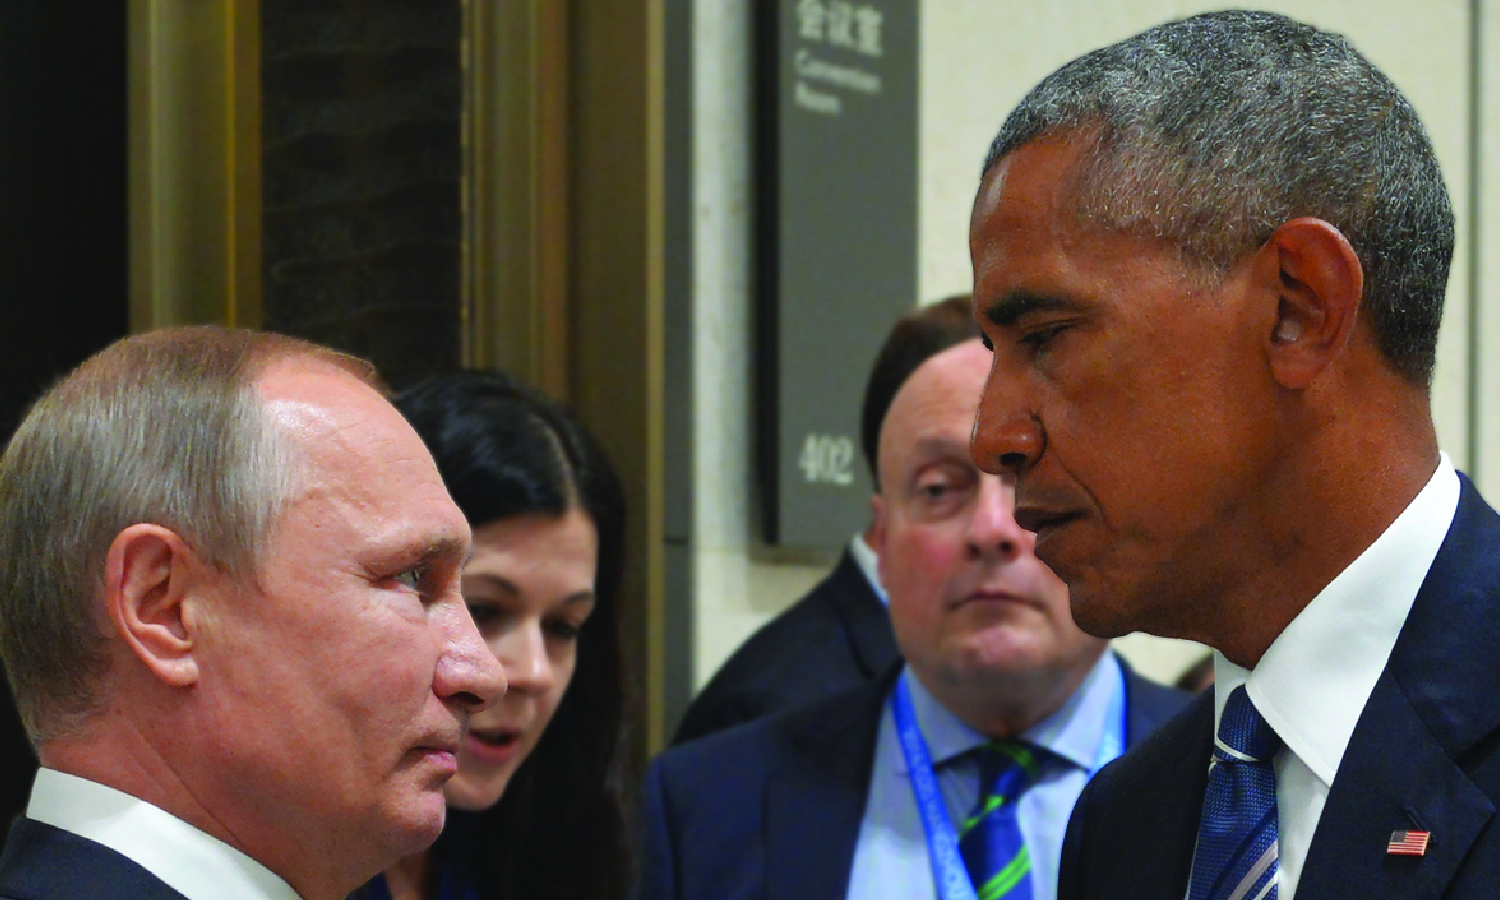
{"points": [[1012, 306]]}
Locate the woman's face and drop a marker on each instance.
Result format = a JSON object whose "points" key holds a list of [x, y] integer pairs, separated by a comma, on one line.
{"points": [[529, 586]]}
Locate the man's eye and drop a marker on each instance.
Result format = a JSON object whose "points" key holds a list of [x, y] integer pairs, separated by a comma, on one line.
{"points": [[934, 491], [412, 578], [1041, 337]]}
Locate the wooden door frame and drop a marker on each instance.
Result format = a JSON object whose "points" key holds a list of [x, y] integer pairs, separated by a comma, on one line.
{"points": [[616, 288], [194, 162]]}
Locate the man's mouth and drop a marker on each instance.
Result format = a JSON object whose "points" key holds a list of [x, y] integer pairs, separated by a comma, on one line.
{"points": [[996, 596], [442, 742], [1041, 521]]}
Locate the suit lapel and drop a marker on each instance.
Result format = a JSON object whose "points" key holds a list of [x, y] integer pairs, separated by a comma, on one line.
{"points": [[1148, 705], [43, 862], [814, 809], [1158, 833], [1402, 779], [1433, 703]]}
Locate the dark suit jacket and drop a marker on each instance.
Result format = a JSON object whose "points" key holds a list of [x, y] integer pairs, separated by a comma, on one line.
{"points": [[772, 809], [46, 863], [836, 637], [1424, 755]]}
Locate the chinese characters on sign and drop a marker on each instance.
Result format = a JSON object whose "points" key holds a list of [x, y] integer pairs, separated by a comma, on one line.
{"points": [[839, 25]]}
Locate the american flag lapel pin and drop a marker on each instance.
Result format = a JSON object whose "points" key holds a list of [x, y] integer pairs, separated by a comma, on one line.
{"points": [[1408, 843]]}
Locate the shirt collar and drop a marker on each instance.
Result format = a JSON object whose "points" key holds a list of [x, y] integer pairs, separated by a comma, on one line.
{"points": [[1074, 731], [869, 564], [1312, 683], [196, 865]]}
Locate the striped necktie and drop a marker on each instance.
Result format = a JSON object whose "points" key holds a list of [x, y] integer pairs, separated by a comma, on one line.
{"points": [[1236, 858], [990, 839]]}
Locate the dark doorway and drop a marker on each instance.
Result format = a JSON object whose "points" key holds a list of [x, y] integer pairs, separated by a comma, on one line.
{"points": [[64, 275]]}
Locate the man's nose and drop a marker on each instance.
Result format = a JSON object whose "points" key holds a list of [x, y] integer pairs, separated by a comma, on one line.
{"points": [[468, 674], [1006, 439], [992, 529]]}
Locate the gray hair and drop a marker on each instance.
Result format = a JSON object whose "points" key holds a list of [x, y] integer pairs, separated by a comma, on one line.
{"points": [[1213, 131], [164, 428]]}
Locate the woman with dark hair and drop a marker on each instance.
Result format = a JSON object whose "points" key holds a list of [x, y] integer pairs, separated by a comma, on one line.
{"points": [[534, 811]]}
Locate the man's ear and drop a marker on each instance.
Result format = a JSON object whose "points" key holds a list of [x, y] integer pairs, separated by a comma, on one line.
{"points": [[877, 524], [149, 576], [1318, 281]]}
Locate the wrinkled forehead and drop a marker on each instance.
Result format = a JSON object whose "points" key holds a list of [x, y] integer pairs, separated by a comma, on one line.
{"points": [[342, 429], [364, 469], [313, 400]]}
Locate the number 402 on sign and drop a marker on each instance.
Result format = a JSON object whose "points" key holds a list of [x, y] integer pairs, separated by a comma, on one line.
{"points": [[827, 459]]}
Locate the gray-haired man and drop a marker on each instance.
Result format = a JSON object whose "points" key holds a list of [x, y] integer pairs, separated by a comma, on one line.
{"points": [[230, 613]]}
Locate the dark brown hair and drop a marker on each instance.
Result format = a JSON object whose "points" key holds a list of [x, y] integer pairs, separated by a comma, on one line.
{"points": [[559, 830], [915, 338]]}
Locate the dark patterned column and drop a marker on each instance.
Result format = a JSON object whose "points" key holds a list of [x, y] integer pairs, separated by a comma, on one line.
{"points": [[362, 166]]}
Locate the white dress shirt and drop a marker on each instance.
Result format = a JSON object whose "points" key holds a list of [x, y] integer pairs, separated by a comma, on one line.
{"points": [[1315, 678], [891, 860], [195, 864]]}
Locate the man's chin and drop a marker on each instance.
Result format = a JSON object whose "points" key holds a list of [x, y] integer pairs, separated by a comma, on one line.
{"points": [[1099, 615], [1000, 652], [421, 823]]}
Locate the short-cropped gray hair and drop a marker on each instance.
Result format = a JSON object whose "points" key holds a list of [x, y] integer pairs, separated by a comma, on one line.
{"points": [[1213, 131]]}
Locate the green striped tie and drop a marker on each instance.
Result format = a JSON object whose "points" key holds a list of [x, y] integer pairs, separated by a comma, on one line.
{"points": [[990, 839]]}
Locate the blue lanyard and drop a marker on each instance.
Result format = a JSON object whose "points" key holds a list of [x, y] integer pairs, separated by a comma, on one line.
{"points": [[950, 875]]}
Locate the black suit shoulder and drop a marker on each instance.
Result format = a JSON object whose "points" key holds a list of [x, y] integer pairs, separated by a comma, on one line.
{"points": [[765, 809], [836, 637], [1148, 704], [46, 863], [850, 718], [1142, 827]]}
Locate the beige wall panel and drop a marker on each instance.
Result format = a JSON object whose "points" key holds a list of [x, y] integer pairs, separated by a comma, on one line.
{"points": [[735, 588], [1487, 379]]}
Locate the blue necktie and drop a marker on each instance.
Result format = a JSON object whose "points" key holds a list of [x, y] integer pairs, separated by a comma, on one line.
{"points": [[1236, 857], [990, 839]]}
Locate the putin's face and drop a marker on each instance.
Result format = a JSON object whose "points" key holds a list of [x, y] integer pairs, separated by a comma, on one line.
{"points": [[342, 679]]}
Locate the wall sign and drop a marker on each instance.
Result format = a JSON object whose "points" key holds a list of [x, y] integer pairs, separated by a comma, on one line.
{"points": [[836, 255]]}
